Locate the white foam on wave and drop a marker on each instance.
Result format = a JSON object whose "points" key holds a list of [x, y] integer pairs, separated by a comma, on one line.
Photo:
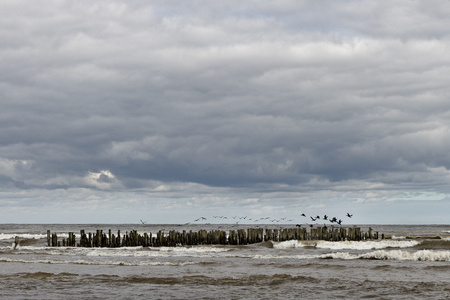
{"points": [[366, 245], [125, 251], [277, 256], [353, 245], [152, 252], [11, 236], [422, 255], [294, 244], [197, 249]]}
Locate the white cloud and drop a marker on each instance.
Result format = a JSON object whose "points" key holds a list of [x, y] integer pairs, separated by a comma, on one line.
{"points": [[13, 167], [102, 180]]}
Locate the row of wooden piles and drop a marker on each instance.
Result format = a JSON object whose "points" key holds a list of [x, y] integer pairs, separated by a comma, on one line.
{"points": [[202, 237]]}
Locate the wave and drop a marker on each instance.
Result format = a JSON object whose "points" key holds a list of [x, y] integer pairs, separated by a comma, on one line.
{"points": [[353, 245], [91, 262], [418, 237], [422, 255], [11, 236], [200, 251]]}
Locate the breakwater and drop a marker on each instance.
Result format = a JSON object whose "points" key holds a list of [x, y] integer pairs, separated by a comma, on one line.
{"points": [[175, 238]]}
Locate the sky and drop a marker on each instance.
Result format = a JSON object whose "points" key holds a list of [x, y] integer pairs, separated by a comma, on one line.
{"points": [[167, 111]]}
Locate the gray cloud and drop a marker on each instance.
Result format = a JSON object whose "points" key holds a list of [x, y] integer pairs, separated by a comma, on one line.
{"points": [[254, 97]]}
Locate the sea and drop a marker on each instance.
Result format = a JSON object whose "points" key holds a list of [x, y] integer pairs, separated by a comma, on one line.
{"points": [[412, 262]]}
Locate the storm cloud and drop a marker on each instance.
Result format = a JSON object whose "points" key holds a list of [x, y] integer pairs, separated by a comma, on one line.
{"points": [[259, 106]]}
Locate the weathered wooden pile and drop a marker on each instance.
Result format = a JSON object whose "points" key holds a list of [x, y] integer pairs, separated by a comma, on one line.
{"points": [[202, 237]]}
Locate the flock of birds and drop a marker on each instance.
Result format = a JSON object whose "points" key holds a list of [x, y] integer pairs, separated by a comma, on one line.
{"points": [[238, 219], [326, 218]]}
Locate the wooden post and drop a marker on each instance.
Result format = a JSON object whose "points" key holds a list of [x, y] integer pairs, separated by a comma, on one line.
{"points": [[212, 237], [54, 240], [16, 242]]}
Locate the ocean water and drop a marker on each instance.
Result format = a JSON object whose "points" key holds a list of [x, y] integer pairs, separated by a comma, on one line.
{"points": [[413, 263]]}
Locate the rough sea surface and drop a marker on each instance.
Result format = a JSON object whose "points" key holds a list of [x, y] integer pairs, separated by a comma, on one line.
{"points": [[413, 263]]}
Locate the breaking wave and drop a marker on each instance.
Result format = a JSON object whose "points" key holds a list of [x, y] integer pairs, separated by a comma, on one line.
{"points": [[353, 245], [122, 251], [11, 236], [422, 255]]}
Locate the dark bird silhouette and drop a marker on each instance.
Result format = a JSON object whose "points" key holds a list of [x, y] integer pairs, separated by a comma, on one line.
{"points": [[143, 222], [339, 222], [312, 218], [349, 215], [298, 225], [325, 217], [303, 215]]}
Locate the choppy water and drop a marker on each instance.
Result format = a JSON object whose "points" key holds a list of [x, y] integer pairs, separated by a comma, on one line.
{"points": [[414, 264]]}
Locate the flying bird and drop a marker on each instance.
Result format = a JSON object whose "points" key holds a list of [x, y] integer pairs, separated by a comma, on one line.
{"points": [[143, 222], [349, 215]]}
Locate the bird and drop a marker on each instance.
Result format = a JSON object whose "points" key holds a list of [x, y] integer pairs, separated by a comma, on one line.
{"points": [[298, 225], [303, 215], [349, 215], [312, 218], [143, 222], [325, 217]]}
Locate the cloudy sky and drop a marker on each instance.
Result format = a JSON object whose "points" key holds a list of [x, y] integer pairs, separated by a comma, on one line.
{"points": [[115, 111]]}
